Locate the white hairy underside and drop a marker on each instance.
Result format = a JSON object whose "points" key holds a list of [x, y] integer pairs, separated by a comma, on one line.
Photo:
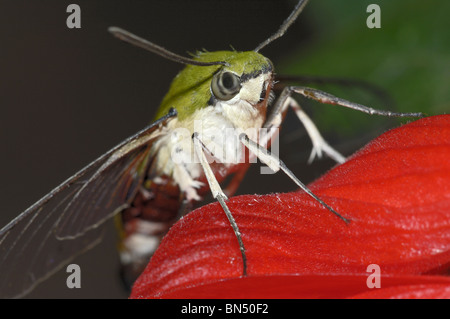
{"points": [[218, 128]]}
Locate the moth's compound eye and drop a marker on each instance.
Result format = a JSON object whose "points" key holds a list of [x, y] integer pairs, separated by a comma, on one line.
{"points": [[225, 85]]}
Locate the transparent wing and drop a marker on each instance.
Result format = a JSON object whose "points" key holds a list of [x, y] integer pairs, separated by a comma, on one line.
{"points": [[61, 225], [103, 194]]}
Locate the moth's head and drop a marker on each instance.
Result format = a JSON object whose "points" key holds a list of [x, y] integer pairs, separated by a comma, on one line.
{"points": [[245, 76]]}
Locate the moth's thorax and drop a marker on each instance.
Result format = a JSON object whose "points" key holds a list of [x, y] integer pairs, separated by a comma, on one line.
{"points": [[174, 150]]}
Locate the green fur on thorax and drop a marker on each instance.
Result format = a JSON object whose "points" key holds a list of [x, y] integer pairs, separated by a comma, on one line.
{"points": [[190, 90]]}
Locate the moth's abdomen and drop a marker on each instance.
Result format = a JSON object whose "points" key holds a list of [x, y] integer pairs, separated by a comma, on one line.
{"points": [[153, 211]]}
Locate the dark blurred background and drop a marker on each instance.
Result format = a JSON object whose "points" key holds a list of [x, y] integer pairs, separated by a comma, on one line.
{"points": [[69, 95]]}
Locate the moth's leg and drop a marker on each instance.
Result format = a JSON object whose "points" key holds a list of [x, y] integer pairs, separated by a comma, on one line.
{"points": [[186, 183], [218, 194], [328, 98], [276, 164], [319, 143]]}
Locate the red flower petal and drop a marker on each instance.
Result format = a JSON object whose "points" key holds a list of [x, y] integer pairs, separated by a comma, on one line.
{"points": [[417, 288], [316, 286], [396, 191]]}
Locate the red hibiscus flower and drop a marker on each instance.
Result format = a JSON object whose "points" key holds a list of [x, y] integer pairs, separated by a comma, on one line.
{"points": [[396, 191]]}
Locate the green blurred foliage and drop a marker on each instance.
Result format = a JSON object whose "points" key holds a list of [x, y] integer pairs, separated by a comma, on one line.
{"points": [[409, 57]]}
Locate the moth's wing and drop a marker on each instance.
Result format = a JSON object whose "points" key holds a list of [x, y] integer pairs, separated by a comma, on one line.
{"points": [[61, 225], [106, 192]]}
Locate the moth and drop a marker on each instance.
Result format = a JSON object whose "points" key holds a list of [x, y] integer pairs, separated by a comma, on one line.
{"points": [[219, 113]]}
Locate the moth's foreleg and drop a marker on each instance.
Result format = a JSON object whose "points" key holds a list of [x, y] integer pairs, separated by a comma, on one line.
{"points": [[218, 194]]}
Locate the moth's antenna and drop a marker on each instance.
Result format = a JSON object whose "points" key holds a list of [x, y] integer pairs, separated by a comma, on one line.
{"points": [[149, 46], [286, 24]]}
